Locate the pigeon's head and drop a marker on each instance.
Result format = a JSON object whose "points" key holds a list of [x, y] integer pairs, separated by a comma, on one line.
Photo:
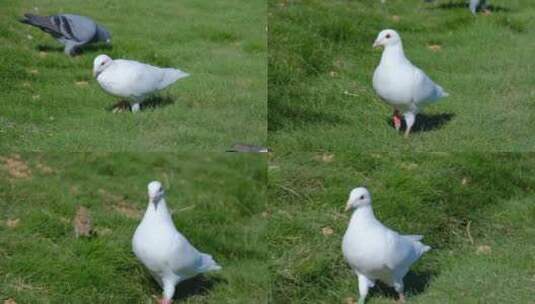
{"points": [[387, 38], [100, 64], [357, 198], [103, 34], [155, 192]]}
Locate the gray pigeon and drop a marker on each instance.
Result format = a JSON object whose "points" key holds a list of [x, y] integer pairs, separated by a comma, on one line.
{"points": [[73, 31]]}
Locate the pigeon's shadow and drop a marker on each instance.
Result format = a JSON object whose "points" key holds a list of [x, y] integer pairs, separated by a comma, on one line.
{"points": [[199, 285], [150, 103], [93, 47], [428, 122], [415, 284], [157, 101], [86, 48], [49, 48], [302, 115], [464, 5]]}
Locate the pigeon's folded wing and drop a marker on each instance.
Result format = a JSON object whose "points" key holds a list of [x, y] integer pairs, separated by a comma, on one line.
{"points": [[424, 89], [82, 29]]}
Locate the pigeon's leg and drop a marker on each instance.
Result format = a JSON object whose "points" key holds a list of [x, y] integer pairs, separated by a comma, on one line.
{"points": [[70, 49], [409, 120], [398, 286], [396, 119], [168, 291], [364, 285], [136, 107], [473, 6]]}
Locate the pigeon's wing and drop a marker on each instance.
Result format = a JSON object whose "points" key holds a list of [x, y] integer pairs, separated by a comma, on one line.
{"points": [[82, 29], [150, 78], [187, 261], [401, 252], [169, 76], [130, 78], [424, 89]]}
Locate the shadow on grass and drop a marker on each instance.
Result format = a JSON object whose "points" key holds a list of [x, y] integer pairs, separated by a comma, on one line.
{"points": [[157, 102], [150, 103], [415, 284], [88, 48], [298, 114], [199, 285], [464, 5], [427, 122]]}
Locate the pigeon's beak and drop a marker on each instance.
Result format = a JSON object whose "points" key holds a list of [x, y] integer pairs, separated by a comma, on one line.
{"points": [[377, 43], [108, 41], [348, 206]]}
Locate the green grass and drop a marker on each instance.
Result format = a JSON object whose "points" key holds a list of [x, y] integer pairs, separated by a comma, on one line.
{"points": [[221, 44], [320, 49], [459, 202], [217, 203]]}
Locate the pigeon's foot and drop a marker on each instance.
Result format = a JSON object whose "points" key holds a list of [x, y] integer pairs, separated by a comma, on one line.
{"points": [[401, 299], [486, 12], [164, 301], [396, 120], [121, 106]]}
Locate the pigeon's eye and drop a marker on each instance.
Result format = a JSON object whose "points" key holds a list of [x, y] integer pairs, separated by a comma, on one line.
{"points": [[362, 197], [387, 36]]}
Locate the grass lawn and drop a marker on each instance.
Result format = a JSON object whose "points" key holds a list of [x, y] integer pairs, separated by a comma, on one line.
{"points": [[49, 101], [320, 49], [476, 211], [217, 201]]}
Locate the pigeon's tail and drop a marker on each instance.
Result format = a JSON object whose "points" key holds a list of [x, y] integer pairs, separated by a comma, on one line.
{"points": [[414, 237], [438, 93], [421, 247], [208, 263], [171, 75]]}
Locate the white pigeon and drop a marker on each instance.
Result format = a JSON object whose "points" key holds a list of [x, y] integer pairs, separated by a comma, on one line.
{"points": [[131, 79], [375, 252], [165, 252], [401, 84]]}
